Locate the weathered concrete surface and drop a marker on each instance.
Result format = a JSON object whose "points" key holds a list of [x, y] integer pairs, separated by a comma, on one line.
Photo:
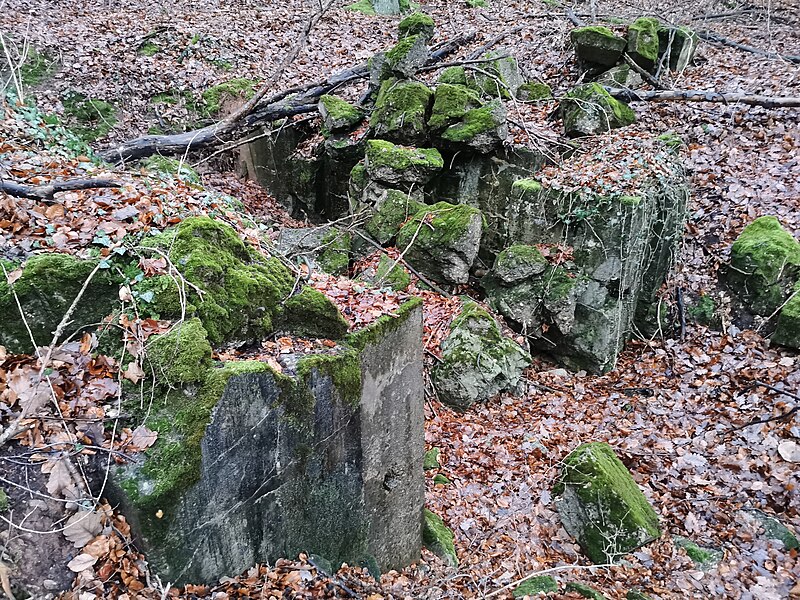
{"points": [[316, 465]]}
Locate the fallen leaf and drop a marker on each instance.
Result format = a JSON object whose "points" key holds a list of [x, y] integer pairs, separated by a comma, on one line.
{"points": [[81, 563], [142, 437], [82, 527], [134, 373]]}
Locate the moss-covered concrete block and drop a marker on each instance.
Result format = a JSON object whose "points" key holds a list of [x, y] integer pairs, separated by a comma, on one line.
{"points": [[590, 110], [481, 129], [499, 77], [181, 356], [392, 164], [214, 98], [401, 112], [442, 241], [643, 42], [392, 210], [438, 538], [519, 262], [337, 114], [765, 264], [478, 361], [621, 76], [542, 584], [416, 24], [601, 506], [47, 287], [584, 590], [597, 44]]}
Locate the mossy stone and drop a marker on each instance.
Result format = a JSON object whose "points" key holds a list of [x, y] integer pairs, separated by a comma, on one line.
{"points": [[620, 76], [391, 212], [704, 558], [338, 114], [453, 76], [450, 104], [311, 313], [772, 527], [181, 356], [597, 44], [3, 500], [518, 263], [46, 289], [363, 6], [681, 42], [542, 584], [636, 595], [394, 275], [765, 263], [407, 56], [787, 332], [401, 112], [601, 506], [589, 110], [335, 258], [482, 129], [214, 97], [438, 538], [533, 90], [499, 77], [440, 479], [242, 290], [391, 164], [585, 591], [643, 41], [416, 24]]}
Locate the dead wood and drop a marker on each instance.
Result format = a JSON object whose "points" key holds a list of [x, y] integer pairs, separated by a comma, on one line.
{"points": [[255, 113], [712, 37], [703, 96], [47, 192]]}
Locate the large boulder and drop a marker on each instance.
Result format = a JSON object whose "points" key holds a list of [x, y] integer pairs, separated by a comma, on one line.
{"points": [[643, 42], [765, 264], [401, 112], [442, 241], [589, 110], [597, 44], [407, 56], [450, 104], [325, 457], [601, 506], [478, 361]]}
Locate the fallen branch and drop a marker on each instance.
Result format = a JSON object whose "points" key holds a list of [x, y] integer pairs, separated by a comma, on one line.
{"points": [[288, 103], [710, 36], [494, 41], [779, 417], [46, 192], [702, 96]]}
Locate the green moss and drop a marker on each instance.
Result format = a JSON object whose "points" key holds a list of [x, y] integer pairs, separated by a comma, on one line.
{"points": [[533, 90], [431, 459], [344, 369], [543, 584], [181, 356], [671, 140], [440, 479], [383, 326], [416, 24], [47, 287], [704, 558], [171, 166], [477, 3], [585, 591], [93, 117], [213, 97], [636, 595], [401, 50], [339, 113], [242, 291], [450, 104], [401, 110], [38, 66], [397, 278], [765, 261], [703, 311], [362, 6], [599, 480], [3, 500], [438, 538], [381, 153], [453, 76], [311, 314], [596, 35], [476, 121], [390, 215], [446, 224], [335, 258], [630, 200], [149, 49], [525, 187], [787, 332], [643, 41], [589, 109]]}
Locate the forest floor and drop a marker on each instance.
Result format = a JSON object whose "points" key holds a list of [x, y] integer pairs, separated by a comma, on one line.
{"points": [[674, 409]]}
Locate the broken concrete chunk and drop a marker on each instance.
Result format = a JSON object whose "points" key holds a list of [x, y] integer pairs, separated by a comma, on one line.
{"points": [[392, 210], [391, 164], [442, 241], [601, 506], [481, 129], [597, 44], [478, 361], [590, 110], [621, 76], [438, 538], [408, 56], [337, 114], [643, 42], [401, 111]]}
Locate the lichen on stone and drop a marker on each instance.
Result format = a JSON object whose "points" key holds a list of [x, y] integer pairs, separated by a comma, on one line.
{"points": [[438, 538], [180, 356]]}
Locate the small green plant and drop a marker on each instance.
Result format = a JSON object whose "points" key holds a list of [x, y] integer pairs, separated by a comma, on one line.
{"points": [[149, 49]]}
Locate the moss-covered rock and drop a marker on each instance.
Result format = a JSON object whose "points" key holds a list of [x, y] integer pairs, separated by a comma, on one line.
{"points": [[450, 104], [242, 290], [681, 43], [453, 76], [380, 7], [392, 210], [769, 527], [519, 262], [597, 44], [636, 595], [542, 584], [392, 164], [401, 112], [92, 118], [534, 90], [589, 110], [38, 67], [335, 256], [481, 129], [704, 558], [601, 506], [643, 41], [416, 24], [311, 314], [46, 289], [338, 114], [765, 264], [499, 77], [214, 97], [407, 56], [442, 241], [3, 500], [478, 361], [181, 356], [438, 538], [621, 76], [584, 590]]}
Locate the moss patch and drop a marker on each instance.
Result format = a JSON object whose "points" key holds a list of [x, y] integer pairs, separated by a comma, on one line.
{"points": [[396, 277], [401, 110], [38, 67], [335, 258], [450, 104], [213, 98], [438, 538], [589, 109], [533, 90], [311, 314], [3, 500], [447, 224], [787, 333], [390, 215], [485, 119], [643, 41], [704, 558], [431, 459], [585, 591], [338, 114], [93, 117], [344, 369], [172, 166], [181, 356], [362, 6], [416, 24], [453, 76], [536, 585]]}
